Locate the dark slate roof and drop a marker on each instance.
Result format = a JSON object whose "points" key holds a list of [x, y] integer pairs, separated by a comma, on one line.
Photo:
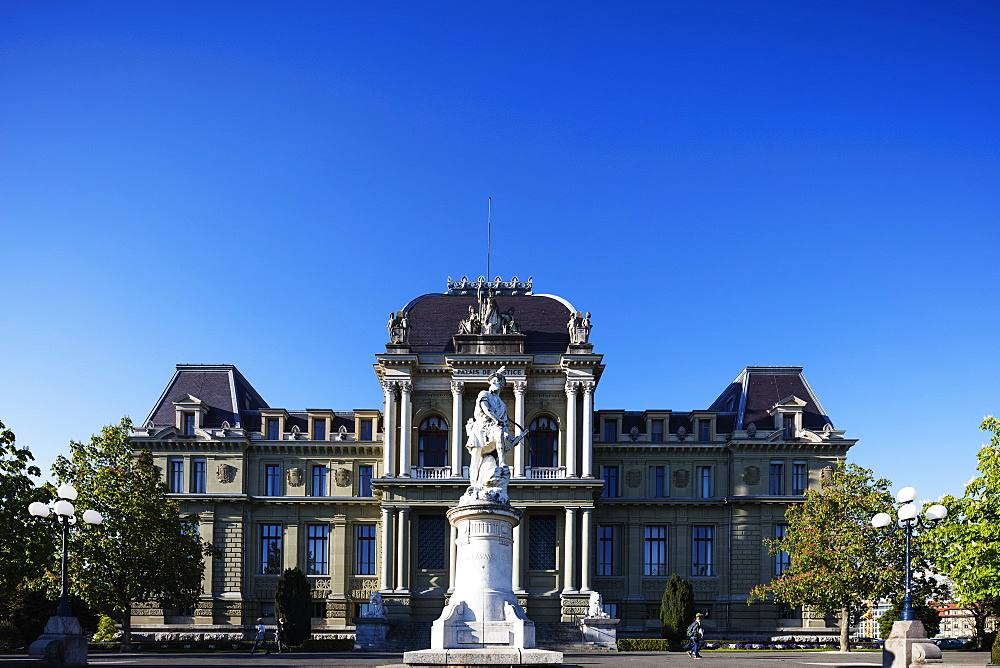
{"points": [[434, 320], [633, 419], [759, 388], [680, 420], [214, 384]]}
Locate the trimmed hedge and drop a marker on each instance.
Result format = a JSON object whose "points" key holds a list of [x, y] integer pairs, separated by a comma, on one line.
{"points": [[335, 645], [660, 645]]}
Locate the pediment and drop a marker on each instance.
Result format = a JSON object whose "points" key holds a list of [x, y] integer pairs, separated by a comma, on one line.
{"points": [[187, 400], [790, 401]]}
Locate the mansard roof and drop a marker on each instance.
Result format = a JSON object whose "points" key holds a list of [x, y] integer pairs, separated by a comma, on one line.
{"points": [[220, 386], [434, 320], [758, 388]]}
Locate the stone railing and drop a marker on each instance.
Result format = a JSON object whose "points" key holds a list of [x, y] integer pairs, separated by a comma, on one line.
{"points": [[430, 472], [544, 472]]}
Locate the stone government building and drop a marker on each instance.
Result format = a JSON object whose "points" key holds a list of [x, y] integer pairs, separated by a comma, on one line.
{"points": [[614, 500]]}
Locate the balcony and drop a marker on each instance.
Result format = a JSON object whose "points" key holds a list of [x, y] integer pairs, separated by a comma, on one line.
{"points": [[435, 472], [545, 472]]}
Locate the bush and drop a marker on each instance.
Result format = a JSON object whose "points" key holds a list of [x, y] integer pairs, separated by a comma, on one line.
{"points": [[335, 645], [10, 636], [995, 652], [923, 612], [643, 645], [106, 629], [293, 601], [676, 610]]}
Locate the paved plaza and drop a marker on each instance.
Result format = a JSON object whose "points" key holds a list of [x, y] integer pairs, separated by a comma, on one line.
{"points": [[713, 659]]}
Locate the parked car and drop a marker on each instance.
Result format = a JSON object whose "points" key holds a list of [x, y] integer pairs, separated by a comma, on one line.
{"points": [[950, 643]]}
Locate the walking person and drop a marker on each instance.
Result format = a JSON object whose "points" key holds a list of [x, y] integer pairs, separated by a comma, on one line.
{"points": [[261, 638], [281, 636], [695, 634]]}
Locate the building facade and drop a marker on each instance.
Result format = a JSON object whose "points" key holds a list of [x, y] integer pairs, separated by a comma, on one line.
{"points": [[614, 500]]}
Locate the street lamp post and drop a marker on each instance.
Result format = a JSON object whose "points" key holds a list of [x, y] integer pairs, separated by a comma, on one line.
{"points": [[63, 640], [908, 638]]}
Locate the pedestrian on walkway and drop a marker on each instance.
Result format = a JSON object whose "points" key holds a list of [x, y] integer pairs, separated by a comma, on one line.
{"points": [[695, 634], [281, 636], [261, 638]]}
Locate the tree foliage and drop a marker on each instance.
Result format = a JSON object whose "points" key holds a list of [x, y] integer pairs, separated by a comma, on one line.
{"points": [[676, 610], [293, 601], [145, 550], [839, 561], [966, 545], [930, 617], [27, 548]]}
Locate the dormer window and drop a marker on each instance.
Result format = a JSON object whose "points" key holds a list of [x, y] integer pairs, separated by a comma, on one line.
{"points": [[611, 431], [656, 431], [704, 430], [319, 430], [189, 424], [788, 425], [366, 431], [273, 433]]}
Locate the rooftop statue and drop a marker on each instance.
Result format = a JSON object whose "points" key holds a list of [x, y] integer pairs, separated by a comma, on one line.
{"points": [[579, 327], [488, 318], [399, 327], [488, 441]]}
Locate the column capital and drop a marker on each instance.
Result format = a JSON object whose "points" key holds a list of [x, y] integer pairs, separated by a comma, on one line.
{"points": [[589, 386], [457, 387], [572, 387], [571, 509], [389, 386], [405, 386], [520, 387]]}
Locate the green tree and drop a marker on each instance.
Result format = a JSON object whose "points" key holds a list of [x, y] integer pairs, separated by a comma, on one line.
{"points": [[145, 550], [930, 617], [839, 561], [965, 546], [27, 548], [293, 601], [676, 610]]}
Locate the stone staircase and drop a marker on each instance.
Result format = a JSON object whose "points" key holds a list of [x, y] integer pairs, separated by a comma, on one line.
{"points": [[557, 636]]}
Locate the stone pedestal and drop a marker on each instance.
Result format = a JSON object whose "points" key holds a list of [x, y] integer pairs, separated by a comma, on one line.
{"points": [[601, 631], [483, 623], [370, 632], [62, 643], [908, 645]]}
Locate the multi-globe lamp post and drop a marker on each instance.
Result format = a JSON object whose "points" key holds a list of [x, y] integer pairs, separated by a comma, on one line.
{"points": [[907, 519], [65, 516]]}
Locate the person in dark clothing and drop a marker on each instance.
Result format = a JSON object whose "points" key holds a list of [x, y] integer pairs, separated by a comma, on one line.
{"points": [[695, 634], [281, 636]]}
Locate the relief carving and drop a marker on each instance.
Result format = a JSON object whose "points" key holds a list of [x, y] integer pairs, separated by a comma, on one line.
{"points": [[681, 478], [751, 475], [826, 474], [633, 478], [295, 477], [225, 473], [342, 477]]}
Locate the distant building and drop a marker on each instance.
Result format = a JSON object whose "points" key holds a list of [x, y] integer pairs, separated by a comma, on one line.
{"points": [[613, 500], [957, 621]]}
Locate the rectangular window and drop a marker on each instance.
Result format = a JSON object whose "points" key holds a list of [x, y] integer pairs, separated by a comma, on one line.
{"points": [[655, 552], [611, 609], [365, 480], [605, 550], [611, 431], [272, 480], [364, 549], [703, 481], [189, 424], [788, 425], [319, 430], [270, 549], [175, 481], [542, 542], [318, 549], [701, 550], [660, 482], [199, 471], [776, 479], [799, 479], [782, 560], [656, 433], [704, 430], [432, 542], [319, 609], [319, 480], [610, 482], [272, 429], [366, 431]]}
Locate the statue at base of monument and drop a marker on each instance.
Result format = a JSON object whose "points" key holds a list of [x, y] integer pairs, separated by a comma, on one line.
{"points": [[596, 609], [488, 442], [376, 608]]}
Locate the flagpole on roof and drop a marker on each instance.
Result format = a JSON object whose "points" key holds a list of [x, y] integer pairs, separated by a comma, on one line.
{"points": [[489, 202]]}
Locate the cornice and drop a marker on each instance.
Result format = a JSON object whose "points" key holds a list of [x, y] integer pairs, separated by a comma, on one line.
{"points": [[328, 448], [623, 449]]}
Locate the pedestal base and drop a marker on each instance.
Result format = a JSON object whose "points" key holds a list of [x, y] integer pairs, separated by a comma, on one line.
{"points": [[908, 645], [370, 632], [62, 643], [489, 656], [601, 631]]}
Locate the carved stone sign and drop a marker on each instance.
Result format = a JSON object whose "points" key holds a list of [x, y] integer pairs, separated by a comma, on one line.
{"points": [[295, 477], [485, 373]]}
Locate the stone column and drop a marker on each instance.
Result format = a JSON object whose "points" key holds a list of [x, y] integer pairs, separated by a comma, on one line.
{"points": [[520, 387], [585, 547], [571, 390], [405, 418], [403, 550], [291, 546], [338, 557], [389, 429], [569, 549], [588, 429], [387, 579], [206, 531], [518, 551], [452, 557], [457, 431]]}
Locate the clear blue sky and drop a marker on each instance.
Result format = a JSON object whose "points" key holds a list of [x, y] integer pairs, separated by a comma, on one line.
{"points": [[721, 183]]}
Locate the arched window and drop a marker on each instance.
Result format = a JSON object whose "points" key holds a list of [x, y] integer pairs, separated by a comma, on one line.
{"points": [[543, 443], [432, 442]]}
